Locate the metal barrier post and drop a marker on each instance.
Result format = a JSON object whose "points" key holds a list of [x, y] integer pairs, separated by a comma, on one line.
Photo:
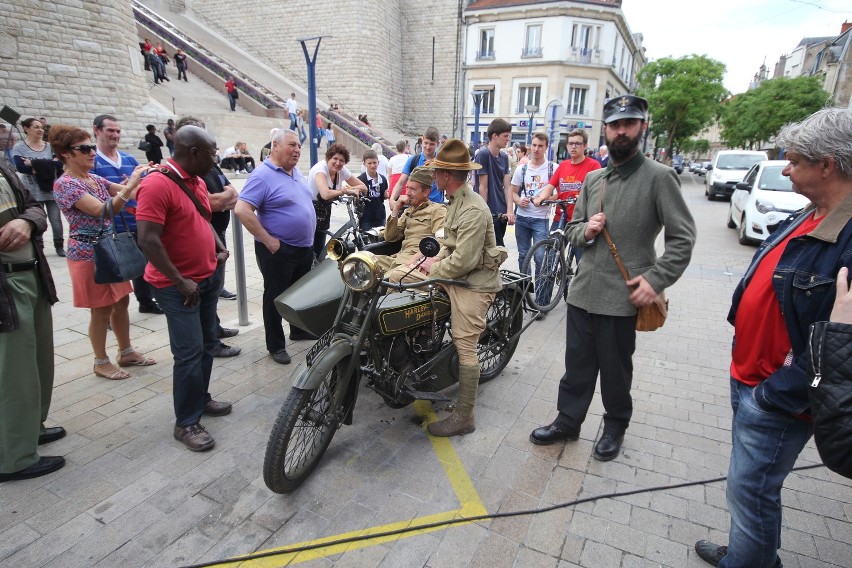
{"points": [[240, 269]]}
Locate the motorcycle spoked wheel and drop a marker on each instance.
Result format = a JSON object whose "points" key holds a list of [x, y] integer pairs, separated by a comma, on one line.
{"points": [[303, 430], [494, 352]]}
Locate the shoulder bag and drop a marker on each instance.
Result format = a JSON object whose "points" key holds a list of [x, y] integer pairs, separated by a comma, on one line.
{"points": [[117, 256], [653, 315], [144, 145]]}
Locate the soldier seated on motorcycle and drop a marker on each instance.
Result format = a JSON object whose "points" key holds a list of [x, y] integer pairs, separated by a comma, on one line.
{"points": [[421, 218], [468, 252]]}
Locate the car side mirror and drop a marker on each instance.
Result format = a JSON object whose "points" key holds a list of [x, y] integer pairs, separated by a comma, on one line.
{"points": [[744, 185], [709, 167], [429, 247]]}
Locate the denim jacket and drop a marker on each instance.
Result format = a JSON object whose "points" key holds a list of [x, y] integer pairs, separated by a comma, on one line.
{"points": [[804, 283]]}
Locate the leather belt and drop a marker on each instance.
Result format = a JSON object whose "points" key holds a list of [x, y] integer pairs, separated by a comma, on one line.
{"points": [[10, 267], [84, 239]]}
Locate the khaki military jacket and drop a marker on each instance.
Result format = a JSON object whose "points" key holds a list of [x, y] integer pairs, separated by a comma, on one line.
{"points": [[414, 224], [469, 248]]}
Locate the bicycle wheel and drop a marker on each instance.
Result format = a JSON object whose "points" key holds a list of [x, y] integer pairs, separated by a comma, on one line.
{"points": [[550, 274]]}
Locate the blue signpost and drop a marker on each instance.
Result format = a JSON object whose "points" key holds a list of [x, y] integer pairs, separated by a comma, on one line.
{"points": [[477, 102], [312, 92]]}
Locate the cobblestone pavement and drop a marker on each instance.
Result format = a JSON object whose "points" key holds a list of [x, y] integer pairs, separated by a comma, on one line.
{"points": [[133, 496]]}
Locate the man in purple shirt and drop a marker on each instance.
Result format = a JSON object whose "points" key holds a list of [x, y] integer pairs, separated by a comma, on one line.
{"points": [[276, 206]]}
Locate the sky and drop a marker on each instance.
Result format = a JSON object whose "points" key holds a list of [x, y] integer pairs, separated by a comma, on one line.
{"points": [[742, 34]]}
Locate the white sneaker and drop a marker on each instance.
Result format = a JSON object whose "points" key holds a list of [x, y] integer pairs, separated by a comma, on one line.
{"points": [[242, 172]]}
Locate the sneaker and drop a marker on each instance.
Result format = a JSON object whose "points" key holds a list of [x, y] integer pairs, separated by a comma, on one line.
{"points": [[150, 307], [223, 350], [281, 357], [242, 172], [709, 552], [217, 408], [194, 437], [225, 332], [225, 295]]}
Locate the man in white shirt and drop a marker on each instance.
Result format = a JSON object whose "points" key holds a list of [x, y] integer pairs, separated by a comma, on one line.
{"points": [[292, 107], [527, 183], [234, 159]]}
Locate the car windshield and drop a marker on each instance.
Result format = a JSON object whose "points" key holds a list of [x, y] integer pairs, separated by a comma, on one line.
{"points": [[738, 161], [772, 180]]}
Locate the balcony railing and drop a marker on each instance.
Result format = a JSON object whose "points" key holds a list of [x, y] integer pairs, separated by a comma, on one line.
{"points": [[531, 52], [585, 55], [484, 55]]}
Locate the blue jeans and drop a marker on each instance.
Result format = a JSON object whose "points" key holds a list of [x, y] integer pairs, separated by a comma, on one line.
{"points": [[529, 231], [765, 447], [192, 337], [293, 121]]}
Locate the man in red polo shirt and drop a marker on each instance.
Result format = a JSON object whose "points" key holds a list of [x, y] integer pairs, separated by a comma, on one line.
{"points": [[173, 221]]}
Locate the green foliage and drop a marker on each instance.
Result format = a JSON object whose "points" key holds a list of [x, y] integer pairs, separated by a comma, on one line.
{"points": [[694, 146], [758, 115], [683, 95]]}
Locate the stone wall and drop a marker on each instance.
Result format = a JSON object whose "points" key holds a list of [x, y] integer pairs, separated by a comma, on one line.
{"points": [[377, 59], [59, 62]]}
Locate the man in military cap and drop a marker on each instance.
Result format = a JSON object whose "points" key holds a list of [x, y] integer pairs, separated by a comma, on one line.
{"points": [[421, 218], [634, 198], [469, 252]]}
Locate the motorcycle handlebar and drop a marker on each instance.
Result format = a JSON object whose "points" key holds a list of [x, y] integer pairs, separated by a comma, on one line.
{"points": [[569, 201], [448, 281]]}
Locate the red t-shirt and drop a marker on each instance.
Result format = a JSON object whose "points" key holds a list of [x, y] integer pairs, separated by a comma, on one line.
{"points": [[568, 179], [230, 86], [187, 236], [762, 343]]}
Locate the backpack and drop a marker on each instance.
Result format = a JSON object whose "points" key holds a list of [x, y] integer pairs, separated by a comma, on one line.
{"points": [[524, 172]]}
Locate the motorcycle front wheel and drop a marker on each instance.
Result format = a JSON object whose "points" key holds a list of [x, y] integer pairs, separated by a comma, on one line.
{"points": [[505, 318], [303, 430]]}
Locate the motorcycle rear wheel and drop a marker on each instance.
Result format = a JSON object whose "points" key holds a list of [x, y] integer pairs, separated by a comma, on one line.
{"points": [[303, 430], [494, 351]]}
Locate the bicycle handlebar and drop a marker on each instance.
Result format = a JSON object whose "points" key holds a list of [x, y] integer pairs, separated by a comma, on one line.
{"points": [[406, 286]]}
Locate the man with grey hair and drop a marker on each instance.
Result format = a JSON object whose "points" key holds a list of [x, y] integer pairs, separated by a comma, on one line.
{"points": [[789, 286], [603, 153], [276, 206]]}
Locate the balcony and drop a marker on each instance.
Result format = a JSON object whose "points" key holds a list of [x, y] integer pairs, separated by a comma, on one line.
{"points": [[585, 55], [530, 52], [485, 55]]}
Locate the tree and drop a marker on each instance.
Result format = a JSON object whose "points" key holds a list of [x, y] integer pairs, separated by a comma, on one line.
{"points": [[683, 95], [756, 116]]}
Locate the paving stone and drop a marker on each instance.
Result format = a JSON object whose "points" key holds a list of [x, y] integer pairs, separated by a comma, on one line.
{"points": [[495, 551], [598, 554], [16, 538], [56, 542]]}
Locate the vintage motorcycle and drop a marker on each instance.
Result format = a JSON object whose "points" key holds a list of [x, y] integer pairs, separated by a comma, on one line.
{"points": [[396, 336]]}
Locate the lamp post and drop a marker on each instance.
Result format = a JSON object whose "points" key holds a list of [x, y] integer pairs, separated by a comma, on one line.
{"points": [[312, 92], [477, 103], [531, 110]]}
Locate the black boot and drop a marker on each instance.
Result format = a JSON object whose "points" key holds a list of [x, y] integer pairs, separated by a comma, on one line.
{"points": [[58, 244]]}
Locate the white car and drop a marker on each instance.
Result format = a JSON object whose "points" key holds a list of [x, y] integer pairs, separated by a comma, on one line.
{"points": [[762, 200]]}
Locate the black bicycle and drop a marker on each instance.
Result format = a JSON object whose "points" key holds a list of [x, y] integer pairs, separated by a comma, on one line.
{"points": [[555, 264]]}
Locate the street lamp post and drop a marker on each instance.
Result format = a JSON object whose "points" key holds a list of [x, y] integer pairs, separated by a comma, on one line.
{"points": [[477, 103], [312, 92], [531, 110]]}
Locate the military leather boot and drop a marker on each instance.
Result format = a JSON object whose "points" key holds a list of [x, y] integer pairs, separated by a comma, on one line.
{"points": [[453, 425]]}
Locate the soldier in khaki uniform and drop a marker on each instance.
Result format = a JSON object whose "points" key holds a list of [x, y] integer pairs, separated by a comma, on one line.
{"points": [[422, 218], [468, 252]]}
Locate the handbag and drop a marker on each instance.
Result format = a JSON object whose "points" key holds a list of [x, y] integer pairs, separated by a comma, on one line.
{"points": [[144, 145], [653, 315], [117, 256]]}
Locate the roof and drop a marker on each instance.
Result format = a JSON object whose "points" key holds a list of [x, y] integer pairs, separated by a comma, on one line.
{"points": [[813, 40], [485, 4]]}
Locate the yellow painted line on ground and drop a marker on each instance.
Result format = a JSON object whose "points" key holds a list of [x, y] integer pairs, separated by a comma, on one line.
{"points": [[470, 505]]}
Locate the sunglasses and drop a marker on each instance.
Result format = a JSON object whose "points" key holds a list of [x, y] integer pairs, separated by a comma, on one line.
{"points": [[85, 148]]}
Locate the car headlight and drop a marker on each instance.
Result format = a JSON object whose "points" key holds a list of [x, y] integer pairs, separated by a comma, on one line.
{"points": [[360, 271], [763, 206]]}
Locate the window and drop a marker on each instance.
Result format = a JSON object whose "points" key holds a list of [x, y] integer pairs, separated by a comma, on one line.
{"points": [[577, 100], [486, 44], [532, 45], [528, 95], [486, 103], [585, 39]]}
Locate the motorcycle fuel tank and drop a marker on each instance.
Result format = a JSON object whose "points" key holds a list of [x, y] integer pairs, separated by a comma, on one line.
{"points": [[311, 303], [400, 311]]}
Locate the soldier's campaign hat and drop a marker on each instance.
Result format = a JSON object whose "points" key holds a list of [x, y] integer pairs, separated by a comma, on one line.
{"points": [[421, 175], [453, 155], [624, 106]]}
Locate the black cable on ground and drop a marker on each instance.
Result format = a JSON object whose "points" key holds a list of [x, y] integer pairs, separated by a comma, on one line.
{"points": [[449, 522]]}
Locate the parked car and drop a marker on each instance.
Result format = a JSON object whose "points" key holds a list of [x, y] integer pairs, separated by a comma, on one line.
{"points": [[702, 169], [728, 169], [677, 164], [762, 200], [694, 167]]}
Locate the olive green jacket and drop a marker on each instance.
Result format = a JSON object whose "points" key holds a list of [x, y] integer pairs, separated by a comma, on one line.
{"points": [[469, 248], [414, 224], [641, 198]]}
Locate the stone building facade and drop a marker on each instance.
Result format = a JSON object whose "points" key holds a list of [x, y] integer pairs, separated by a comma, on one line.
{"points": [[58, 61], [396, 61]]}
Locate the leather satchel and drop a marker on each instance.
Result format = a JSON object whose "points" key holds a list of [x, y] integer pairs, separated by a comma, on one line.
{"points": [[117, 256], [652, 316]]}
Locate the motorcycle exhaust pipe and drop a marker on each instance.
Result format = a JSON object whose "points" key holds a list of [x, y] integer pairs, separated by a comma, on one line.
{"points": [[337, 249]]}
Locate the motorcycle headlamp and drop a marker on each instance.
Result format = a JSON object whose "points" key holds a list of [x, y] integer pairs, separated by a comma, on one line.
{"points": [[360, 271]]}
